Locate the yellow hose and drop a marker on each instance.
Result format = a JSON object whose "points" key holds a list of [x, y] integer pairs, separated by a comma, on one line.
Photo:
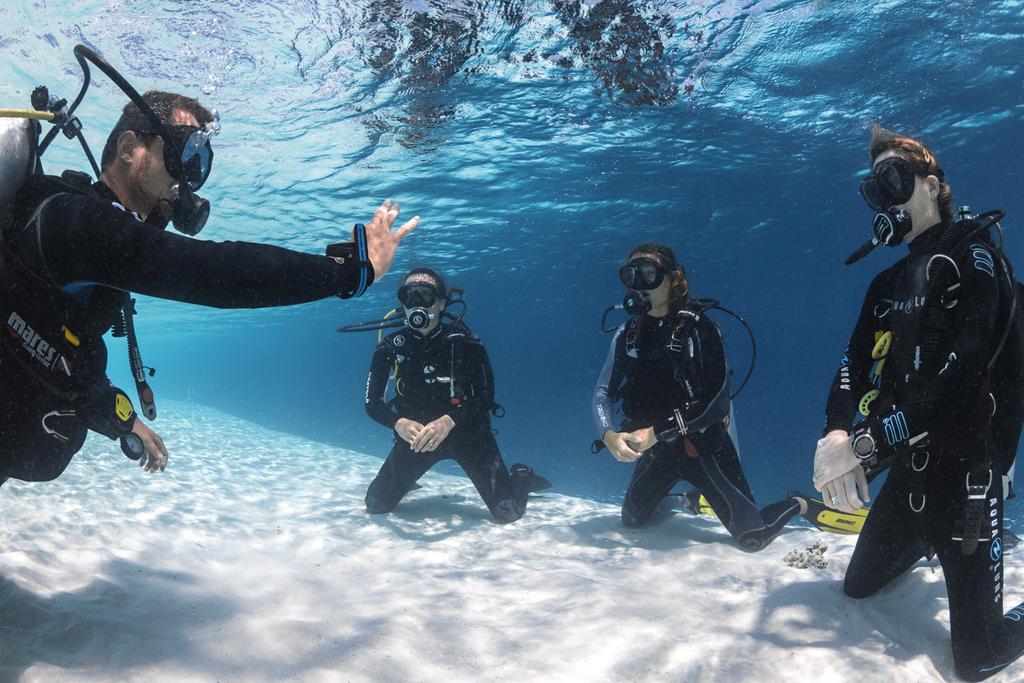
{"points": [[380, 332], [26, 114]]}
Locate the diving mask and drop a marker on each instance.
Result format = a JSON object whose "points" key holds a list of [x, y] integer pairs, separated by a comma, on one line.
{"points": [[642, 274], [890, 183], [418, 294]]}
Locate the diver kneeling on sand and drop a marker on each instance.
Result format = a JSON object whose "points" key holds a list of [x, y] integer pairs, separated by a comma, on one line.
{"points": [[71, 250], [444, 397], [667, 364], [931, 385]]}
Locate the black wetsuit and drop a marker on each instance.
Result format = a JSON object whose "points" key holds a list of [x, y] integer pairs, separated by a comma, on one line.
{"points": [[91, 251], [707, 456], [920, 508], [446, 373]]}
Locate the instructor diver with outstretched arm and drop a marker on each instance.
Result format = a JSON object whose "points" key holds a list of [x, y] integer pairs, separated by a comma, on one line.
{"points": [[70, 249], [931, 384]]}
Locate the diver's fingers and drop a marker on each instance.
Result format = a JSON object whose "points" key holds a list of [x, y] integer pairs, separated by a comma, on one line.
{"points": [[407, 227], [851, 501], [160, 445], [423, 438], [862, 485], [829, 494], [629, 440], [386, 214], [160, 451], [380, 215], [623, 453]]}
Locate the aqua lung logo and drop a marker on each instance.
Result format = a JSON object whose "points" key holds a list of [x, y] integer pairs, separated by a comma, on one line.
{"points": [[995, 552], [845, 383], [910, 305], [36, 346]]}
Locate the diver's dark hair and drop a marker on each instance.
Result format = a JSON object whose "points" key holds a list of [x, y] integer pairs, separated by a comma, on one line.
{"points": [[439, 282], [921, 159], [163, 105], [679, 282]]}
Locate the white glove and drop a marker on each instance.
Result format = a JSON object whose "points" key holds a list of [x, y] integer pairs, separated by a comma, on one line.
{"points": [[841, 493], [838, 474]]}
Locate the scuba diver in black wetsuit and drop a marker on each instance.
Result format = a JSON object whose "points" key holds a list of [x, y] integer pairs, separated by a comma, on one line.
{"points": [[676, 404], [71, 250], [932, 372], [444, 394]]}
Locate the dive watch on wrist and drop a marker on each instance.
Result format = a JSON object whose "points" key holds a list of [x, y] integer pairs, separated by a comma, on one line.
{"points": [[863, 444]]}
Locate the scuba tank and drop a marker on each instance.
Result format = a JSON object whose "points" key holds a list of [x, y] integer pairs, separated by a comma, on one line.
{"points": [[17, 161]]}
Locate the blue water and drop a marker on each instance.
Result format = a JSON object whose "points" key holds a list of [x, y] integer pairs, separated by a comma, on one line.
{"points": [[539, 140]]}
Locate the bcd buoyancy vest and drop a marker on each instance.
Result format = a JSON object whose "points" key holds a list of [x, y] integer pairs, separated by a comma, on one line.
{"points": [[46, 329], [919, 318], [429, 371], [682, 351]]}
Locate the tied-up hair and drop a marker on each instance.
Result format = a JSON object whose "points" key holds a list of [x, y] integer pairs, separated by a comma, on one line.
{"points": [[679, 283], [921, 160]]}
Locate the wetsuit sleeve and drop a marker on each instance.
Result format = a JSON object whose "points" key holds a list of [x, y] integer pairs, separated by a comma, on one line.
{"points": [[376, 386], [852, 379], [85, 240], [605, 393], [475, 367], [953, 394], [712, 403]]}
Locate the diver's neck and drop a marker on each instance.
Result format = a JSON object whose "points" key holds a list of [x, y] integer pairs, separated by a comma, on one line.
{"points": [[659, 311], [930, 219], [122, 189]]}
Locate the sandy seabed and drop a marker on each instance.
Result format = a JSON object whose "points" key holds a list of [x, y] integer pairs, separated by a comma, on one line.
{"points": [[251, 559]]}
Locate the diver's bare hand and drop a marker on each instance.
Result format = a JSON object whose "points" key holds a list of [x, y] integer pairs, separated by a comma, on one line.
{"points": [[408, 429], [647, 438], [433, 434], [155, 457], [381, 241], [624, 446]]}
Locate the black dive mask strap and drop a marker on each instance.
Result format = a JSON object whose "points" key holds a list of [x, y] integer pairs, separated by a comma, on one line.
{"points": [[190, 212]]}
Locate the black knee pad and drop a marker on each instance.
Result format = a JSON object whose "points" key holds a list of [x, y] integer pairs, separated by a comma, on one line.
{"points": [[973, 671], [507, 511], [751, 544], [376, 506], [853, 589], [631, 520]]}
